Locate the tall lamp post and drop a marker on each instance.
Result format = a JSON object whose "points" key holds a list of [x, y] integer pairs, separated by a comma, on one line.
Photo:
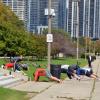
{"points": [[49, 35], [85, 47], [77, 31], [50, 13], [77, 28], [49, 32], [86, 22], [90, 46]]}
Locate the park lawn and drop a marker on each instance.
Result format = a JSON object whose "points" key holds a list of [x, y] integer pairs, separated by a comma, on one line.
{"points": [[9, 94], [2, 61]]}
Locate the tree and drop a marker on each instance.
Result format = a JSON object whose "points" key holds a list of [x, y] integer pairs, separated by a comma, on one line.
{"points": [[61, 43], [40, 46], [12, 33]]}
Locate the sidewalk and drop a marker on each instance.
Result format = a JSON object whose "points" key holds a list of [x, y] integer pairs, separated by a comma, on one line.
{"points": [[86, 89]]}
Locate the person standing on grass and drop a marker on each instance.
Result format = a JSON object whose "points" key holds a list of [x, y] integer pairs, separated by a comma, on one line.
{"points": [[89, 58]]}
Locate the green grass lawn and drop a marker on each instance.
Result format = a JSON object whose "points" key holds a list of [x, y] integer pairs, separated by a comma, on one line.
{"points": [[9, 94]]}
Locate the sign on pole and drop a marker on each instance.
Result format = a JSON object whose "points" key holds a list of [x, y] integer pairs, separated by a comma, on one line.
{"points": [[49, 38]]}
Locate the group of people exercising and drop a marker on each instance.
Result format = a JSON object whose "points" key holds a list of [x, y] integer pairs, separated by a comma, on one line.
{"points": [[14, 63], [72, 71]]}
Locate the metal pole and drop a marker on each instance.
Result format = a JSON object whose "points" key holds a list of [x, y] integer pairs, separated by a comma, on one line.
{"points": [[86, 48], [94, 48], [86, 22], [77, 32], [89, 46], [77, 28], [49, 32]]}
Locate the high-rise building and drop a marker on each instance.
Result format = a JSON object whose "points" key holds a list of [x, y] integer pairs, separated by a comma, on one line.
{"points": [[81, 20], [86, 18], [89, 18], [62, 13], [91, 26], [73, 18], [96, 28], [36, 17], [75, 14], [35, 14], [55, 6], [69, 16], [18, 6]]}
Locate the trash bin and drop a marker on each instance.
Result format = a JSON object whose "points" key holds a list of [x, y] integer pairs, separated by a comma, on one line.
{"points": [[55, 70]]}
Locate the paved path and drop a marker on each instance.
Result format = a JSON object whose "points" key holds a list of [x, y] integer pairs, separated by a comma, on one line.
{"points": [[86, 89]]}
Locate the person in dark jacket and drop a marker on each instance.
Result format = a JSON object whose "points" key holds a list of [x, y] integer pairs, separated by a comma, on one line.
{"points": [[89, 58], [71, 72], [16, 61]]}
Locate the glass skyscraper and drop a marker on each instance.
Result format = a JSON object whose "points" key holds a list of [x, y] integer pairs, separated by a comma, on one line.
{"points": [[62, 13], [69, 16], [89, 18], [35, 14], [72, 18], [96, 29], [18, 6]]}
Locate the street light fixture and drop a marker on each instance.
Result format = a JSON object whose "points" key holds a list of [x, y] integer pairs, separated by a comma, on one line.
{"points": [[49, 32], [85, 47], [90, 46], [77, 28], [86, 37], [50, 12]]}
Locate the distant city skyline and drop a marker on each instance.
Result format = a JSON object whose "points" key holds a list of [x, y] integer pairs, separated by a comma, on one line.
{"points": [[34, 17], [32, 13]]}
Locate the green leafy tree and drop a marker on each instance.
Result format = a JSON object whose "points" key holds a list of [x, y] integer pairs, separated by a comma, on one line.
{"points": [[12, 33]]}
